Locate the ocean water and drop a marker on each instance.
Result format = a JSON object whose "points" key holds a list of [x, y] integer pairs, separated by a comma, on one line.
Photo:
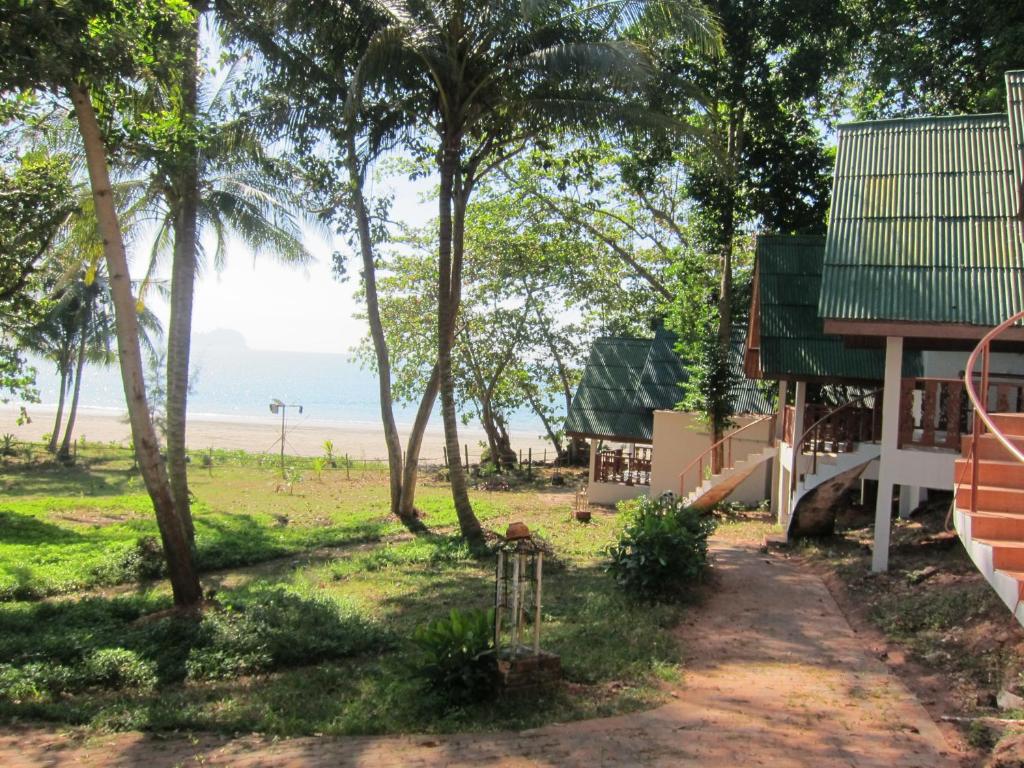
{"points": [[232, 381]]}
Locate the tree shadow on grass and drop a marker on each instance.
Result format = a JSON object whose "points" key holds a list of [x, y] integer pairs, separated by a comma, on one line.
{"points": [[27, 529], [54, 479]]}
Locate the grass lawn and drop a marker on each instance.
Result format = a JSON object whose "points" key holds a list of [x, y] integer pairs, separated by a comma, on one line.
{"points": [[313, 642]]}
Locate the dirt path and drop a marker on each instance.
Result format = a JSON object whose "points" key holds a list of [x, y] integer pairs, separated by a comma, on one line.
{"points": [[775, 677]]}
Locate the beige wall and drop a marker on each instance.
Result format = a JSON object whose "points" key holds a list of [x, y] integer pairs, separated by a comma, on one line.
{"points": [[679, 438]]}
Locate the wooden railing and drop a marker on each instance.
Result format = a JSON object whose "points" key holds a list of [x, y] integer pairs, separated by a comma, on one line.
{"points": [[840, 429], [706, 459], [618, 466], [982, 421], [934, 413], [937, 413]]}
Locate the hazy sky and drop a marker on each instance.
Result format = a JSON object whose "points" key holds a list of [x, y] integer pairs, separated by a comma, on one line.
{"points": [[297, 309]]}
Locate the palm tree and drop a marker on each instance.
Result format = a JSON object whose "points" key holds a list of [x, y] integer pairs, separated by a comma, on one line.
{"points": [[95, 332], [487, 77], [227, 183]]}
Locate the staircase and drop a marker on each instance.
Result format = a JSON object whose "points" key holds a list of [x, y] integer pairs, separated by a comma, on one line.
{"points": [[989, 518], [988, 506], [718, 487], [831, 465]]}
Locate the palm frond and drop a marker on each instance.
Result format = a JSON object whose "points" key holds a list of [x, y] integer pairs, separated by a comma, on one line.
{"points": [[619, 60]]}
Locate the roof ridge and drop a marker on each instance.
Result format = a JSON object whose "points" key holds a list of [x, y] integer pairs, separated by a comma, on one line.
{"points": [[974, 118]]}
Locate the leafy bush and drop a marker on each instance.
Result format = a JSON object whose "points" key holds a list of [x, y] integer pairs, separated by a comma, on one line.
{"points": [[144, 560], [118, 668], [457, 658], [663, 548]]}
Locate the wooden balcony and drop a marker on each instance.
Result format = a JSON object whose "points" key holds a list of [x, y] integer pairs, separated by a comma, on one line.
{"points": [[935, 413], [624, 467]]}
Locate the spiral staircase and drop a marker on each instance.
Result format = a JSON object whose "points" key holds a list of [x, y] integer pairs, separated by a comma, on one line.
{"points": [[988, 510]]}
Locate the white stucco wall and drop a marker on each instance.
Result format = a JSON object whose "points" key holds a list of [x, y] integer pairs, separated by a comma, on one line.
{"points": [[679, 438], [950, 365]]}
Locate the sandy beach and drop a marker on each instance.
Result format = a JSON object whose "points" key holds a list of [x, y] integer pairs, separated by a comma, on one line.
{"points": [[304, 437]]}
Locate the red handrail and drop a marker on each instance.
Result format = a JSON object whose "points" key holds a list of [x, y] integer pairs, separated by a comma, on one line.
{"points": [[728, 441], [981, 408], [807, 433]]}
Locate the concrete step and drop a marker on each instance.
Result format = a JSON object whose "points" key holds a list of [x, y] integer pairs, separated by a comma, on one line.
{"points": [[1009, 423], [992, 497], [1000, 472], [1018, 576], [990, 448], [1007, 555]]}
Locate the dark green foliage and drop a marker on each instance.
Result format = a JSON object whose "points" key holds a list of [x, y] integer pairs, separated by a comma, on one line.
{"points": [[663, 549], [145, 560], [712, 380], [457, 659], [50, 651], [937, 56]]}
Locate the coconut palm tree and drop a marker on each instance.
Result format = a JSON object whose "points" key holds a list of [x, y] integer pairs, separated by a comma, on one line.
{"points": [[224, 181], [484, 78], [96, 335]]}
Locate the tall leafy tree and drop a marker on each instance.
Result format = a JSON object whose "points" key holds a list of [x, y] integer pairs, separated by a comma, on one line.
{"points": [[88, 50], [935, 56], [765, 163], [477, 82], [309, 55], [217, 176], [35, 201]]}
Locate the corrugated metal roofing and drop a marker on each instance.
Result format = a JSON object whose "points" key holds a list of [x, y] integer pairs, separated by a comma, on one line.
{"points": [[924, 223], [790, 338], [792, 341], [627, 379]]}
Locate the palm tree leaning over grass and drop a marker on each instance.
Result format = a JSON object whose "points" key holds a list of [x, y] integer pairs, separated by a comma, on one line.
{"points": [[225, 181], [485, 78]]}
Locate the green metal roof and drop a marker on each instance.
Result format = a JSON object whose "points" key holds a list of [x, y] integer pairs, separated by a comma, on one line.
{"points": [[787, 340], [627, 379], [924, 223]]}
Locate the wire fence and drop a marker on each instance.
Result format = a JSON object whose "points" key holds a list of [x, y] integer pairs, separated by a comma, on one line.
{"points": [[208, 458]]}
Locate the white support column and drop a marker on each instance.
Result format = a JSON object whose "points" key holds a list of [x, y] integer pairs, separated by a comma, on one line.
{"points": [[776, 491], [593, 461], [799, 407], [890, 438], [911, 497], [781, 409]]}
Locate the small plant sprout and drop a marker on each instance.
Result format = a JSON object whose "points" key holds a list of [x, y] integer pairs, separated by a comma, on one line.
{"points": [[318, 466], [328, 447]]}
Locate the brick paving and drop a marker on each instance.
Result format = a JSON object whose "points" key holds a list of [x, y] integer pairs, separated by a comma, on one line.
{"points": [[775, 677]]}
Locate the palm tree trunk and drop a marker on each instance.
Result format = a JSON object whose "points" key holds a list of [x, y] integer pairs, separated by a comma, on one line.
{"points": [[65, 446], [64, 365], [449, 290], [405, 512], [410, 473], [180, 563], [185, 223]]}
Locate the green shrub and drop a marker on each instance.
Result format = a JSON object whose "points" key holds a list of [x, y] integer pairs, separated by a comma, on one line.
{"points": [[119, 668], [143, 560], [663, 548], [457, 656]]}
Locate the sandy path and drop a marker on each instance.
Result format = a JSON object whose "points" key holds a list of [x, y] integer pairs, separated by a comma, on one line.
{"points": [[775, 677], [304, 437]]}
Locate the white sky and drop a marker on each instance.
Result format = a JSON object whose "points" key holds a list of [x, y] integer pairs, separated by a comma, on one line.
{"points": [[288, 308]]}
